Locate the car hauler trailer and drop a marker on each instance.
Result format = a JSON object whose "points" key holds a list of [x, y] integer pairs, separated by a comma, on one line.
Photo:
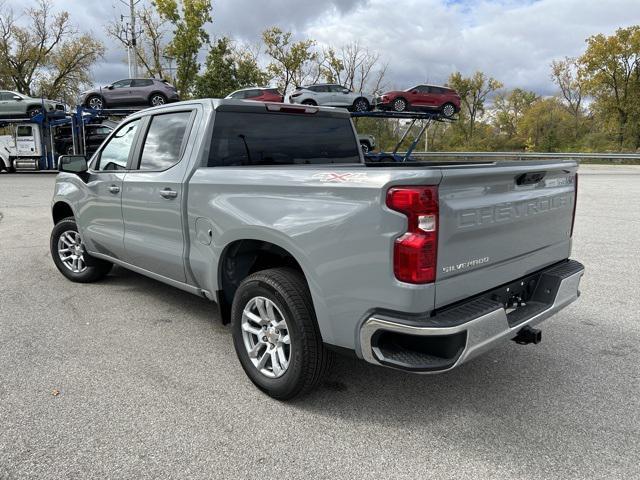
{"points": [[29, 143]]}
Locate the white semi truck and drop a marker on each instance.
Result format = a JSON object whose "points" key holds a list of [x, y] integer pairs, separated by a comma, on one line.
{"points": [[22, 148]]}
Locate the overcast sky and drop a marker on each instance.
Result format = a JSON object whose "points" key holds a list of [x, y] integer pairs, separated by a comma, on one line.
{"points": [[422, 40]]}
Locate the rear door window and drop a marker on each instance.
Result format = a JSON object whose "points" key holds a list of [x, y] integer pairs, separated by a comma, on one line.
{"points": [[142, 83], [163, 143], [246, 139]]}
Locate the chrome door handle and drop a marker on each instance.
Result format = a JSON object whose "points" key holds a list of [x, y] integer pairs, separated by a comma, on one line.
{"points": [[168, 193], [114, 189]]}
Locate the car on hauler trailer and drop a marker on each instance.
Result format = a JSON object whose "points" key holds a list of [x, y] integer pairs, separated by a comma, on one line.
{"points": [[271, 211]]}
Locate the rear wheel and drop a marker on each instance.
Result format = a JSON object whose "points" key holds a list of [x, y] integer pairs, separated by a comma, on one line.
{"points": [[275, 334], [69, 254], [309, 102], [448, 110], [365, 147], [157, 99], [361, 105]]}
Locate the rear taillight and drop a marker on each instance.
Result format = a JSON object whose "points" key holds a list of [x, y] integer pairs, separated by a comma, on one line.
{"points": [[415, 253], [575, 203]]}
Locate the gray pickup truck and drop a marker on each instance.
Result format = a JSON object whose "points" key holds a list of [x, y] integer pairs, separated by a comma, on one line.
{"points": [[270, 211]]}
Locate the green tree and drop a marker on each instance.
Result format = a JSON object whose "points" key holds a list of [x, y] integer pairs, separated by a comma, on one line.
{"points": [[218, 78], [611, 68], [188, 19], [547, 125], [47, 55], [509, 108], [291, 62], [473, 93], [228, 69]]}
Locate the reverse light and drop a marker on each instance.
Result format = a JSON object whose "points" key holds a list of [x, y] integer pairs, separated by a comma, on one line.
{"points": [[415, 252]]}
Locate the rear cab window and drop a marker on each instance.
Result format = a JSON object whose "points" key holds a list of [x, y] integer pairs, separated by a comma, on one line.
{"points": [[163, 142], [253, 139]]}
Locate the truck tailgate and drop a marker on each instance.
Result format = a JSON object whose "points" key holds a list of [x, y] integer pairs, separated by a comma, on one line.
{"points": [[501, 222]]}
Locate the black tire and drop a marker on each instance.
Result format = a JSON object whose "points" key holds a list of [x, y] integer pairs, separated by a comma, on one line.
{"points": [[309, 359], [365, 147], [11, 168], [95, 268], [448, 110], [399, 105], [95, 102], [157, 99], [310, 102], [33, 111], [361, 105]]}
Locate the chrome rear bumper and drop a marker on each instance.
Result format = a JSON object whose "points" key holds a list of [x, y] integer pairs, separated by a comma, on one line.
{"points": [[469, 338]]}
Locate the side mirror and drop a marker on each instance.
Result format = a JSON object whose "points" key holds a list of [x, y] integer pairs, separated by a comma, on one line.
{"points": [[109, 87], [17, 98], [346, 90], [73, 164]]}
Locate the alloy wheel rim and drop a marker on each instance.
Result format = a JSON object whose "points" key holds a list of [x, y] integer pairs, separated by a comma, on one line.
{"points": [[361, 106], [95, 103], [448, 110], [399, 105], [266, 337], [157, 100], [71, 251]]}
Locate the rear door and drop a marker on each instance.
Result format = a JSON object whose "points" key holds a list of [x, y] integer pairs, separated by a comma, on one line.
{"points": [[501, 222], [140, 91], [7, 104], [152, 196]]}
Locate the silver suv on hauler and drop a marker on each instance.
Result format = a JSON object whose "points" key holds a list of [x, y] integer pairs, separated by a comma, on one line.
{"points": [[270, 211]]}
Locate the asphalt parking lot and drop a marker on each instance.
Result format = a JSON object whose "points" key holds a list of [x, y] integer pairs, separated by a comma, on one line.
{"points": [[129, 378]]}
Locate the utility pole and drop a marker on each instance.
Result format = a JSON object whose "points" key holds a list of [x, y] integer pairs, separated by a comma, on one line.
{"points": [[130, 34], [134, 60]]}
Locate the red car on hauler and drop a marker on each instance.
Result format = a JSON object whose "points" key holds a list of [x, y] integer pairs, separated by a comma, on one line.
{"points": [[421, 97]]}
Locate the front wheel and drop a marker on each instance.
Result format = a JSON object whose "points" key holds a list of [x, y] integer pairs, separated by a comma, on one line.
{"points": [[275, 334], [400, 105], [69, 254], [95, 102], [33, 111]]}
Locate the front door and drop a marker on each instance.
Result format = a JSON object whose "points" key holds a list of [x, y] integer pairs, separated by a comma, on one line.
{"points": [[100, 213], [119, 94], [152, 198]]}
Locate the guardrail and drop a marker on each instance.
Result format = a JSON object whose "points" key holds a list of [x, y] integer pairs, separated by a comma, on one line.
{"points": [[612, 157]]}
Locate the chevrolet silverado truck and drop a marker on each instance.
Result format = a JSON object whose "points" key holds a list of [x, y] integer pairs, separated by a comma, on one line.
{"points": [[270, 210]]}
